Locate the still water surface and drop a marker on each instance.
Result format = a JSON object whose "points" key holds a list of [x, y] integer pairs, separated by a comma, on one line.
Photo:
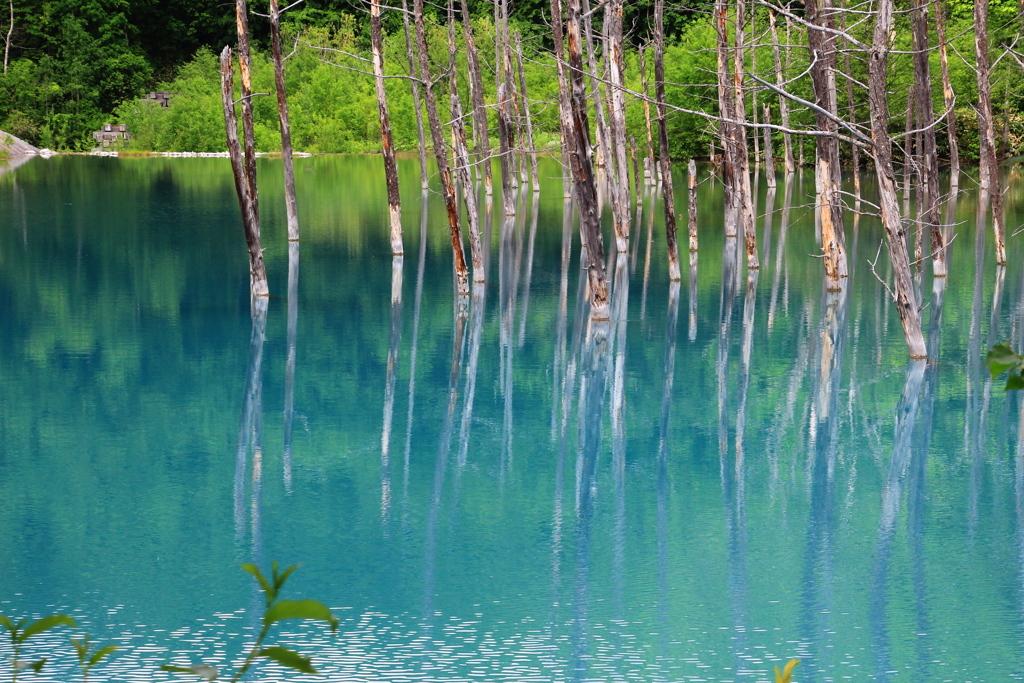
{"points": [[733, 472]]}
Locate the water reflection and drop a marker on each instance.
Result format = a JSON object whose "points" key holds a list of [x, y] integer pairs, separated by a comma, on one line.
{"points": [[289, 373]]}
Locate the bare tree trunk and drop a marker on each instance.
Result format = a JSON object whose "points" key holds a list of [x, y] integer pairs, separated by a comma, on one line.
{"points": [[476, 89], [828, 173], [692, 172], [989, 163], [663, 149], [726, 107], [250, 221], [447, 187], [948, 99], [769, 155], [415, 96], [852, 111], [386, 143], [652, 173], [754, 111], [248, 130], [603, 150], [929, 207], [637, 187], [531, 148], [895, 233], [7, 41], [746, 202], [564, 107], [291, 210], [783, 102], [461, 154], [583, 171], [617, 114], [506, 138]]}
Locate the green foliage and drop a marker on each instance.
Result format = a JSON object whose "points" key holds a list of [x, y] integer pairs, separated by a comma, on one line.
{"points": [[1001, 358], [86, 659], [22, 630], [276, 610]]}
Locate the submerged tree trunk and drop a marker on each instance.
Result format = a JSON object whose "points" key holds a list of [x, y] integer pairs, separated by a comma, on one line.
{"points": [[821, 42], [895, 234], [248, 129], [291, 210], [387, 146], [250, 221], [787, 139], [692, 172], [929, 209], [663, 151], [447, 187], [769, 155], [948, 99], [415, 96], [583, 171], [989, 171], [746, 202]]}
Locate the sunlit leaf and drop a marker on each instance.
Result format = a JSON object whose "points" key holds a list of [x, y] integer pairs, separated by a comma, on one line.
{"points": [[45, 624], [300, 609], [267, 588], [289, 658], [787, 673], [100, 654]]}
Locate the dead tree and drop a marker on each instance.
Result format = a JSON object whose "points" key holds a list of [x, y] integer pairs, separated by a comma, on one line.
{"points": [[989, 171], [248, 129], [769, 155], [787, 139], [506, 136], [386, 143], [291, 211], [617, 129], [476, 91], [851, 111], [652, 173], [447, 187], [663, 151], [564, 107], [742, 159], [692, 172], [726, 107], [250, 219], [583, 171], [895, 234], [10, 33], [821, 41], [415, 96], [928, 159], [948, 99], [531, 148]]}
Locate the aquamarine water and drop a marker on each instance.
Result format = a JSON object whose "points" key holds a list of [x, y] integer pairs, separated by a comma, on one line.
{"points": [[735, 471]]}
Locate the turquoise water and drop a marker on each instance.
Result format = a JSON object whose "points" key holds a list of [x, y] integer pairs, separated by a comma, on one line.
{"points": [[731, 473]]}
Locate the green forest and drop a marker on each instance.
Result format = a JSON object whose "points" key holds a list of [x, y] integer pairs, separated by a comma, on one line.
{"points": [[72, 66]]}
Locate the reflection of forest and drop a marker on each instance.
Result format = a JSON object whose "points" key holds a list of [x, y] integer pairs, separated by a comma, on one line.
{"points": [[778, 466]]}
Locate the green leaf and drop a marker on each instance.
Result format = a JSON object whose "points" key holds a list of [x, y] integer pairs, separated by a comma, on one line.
{"points": [[100, 654], [280, 579], [81, 647], [255, 571], [202, 670], [37, 666], [1014, 382], [6, 623], [289, 658], [1001, 358], [45, 624], [300, 609]]}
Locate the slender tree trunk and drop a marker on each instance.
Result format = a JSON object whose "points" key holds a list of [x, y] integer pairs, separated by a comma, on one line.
{"points": [[506, 137], [663, 149], [603, 150], [476, 89], [291, 210], [851, 111], [461, 154], [746, 202], [787, 139], [447, 187], [564, 107], [928, 155], [769, 155], [754, 111], [386, 143], [248, 129], [692, 172], [828, 173], [10, 32], [637, 187], [617, 114], [531, 148], [415, 95], [726, 107], [989, 163], [583, 171], [652, 173], [948, 99], [250, 220], [906, 305]]}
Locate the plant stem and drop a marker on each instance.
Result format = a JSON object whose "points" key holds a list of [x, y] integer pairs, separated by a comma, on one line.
{"points": [[252, 654]]}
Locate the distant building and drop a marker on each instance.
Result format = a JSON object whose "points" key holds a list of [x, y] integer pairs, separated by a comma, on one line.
{"points": [[161, 97], [111, 132]]}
